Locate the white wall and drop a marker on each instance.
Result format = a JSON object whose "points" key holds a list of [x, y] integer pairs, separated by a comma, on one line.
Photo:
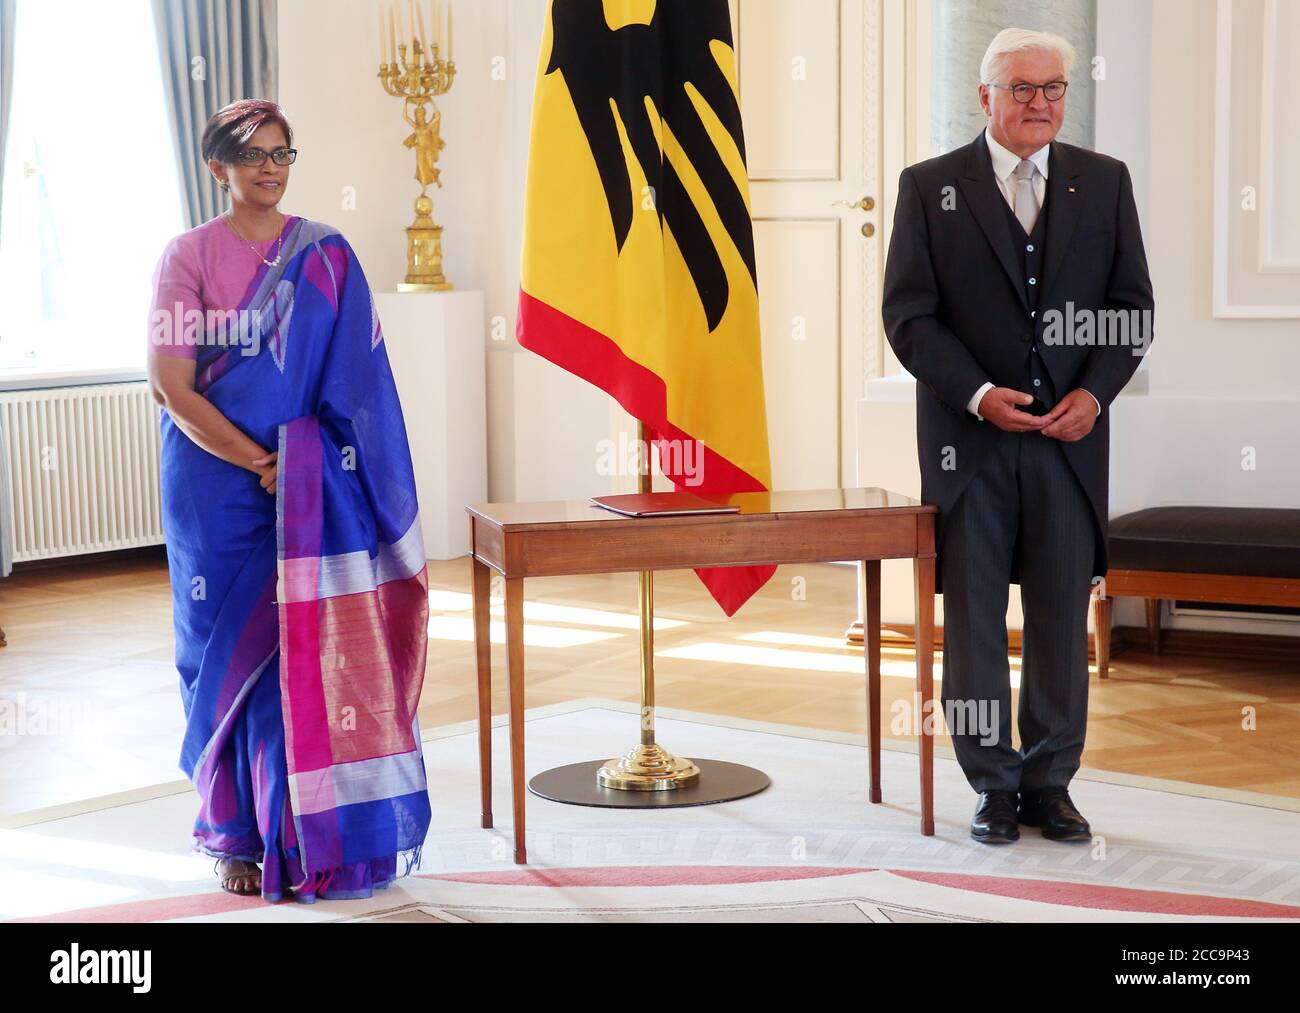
{"points": [[542, 423], [1195, 354]]}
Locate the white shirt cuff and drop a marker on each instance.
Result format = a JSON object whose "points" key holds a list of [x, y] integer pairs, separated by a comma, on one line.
{"points": [[974, 404], [1094, 398]]}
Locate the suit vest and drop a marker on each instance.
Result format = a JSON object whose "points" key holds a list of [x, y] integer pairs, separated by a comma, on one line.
{"points": [[1029, 256]]}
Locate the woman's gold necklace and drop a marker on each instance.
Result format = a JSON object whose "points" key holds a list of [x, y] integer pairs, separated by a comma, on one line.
{"points": [[279, 249]]}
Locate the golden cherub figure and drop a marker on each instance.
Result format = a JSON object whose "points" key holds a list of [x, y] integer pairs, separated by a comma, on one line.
{"points": [[427, 142]]}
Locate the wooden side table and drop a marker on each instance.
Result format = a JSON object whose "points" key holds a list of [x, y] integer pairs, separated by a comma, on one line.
{"points": [[521, 540]]}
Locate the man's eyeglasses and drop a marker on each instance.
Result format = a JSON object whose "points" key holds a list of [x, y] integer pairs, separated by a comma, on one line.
{"points": [[254, 157], [1053, 91]]}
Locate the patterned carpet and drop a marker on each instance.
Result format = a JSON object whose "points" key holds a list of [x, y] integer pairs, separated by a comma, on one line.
{"points": [[809, 848]]}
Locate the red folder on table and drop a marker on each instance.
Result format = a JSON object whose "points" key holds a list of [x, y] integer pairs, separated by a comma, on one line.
{"points": [[662, 504]]}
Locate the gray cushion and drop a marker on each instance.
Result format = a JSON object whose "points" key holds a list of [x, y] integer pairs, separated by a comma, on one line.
{"points": [[1241, 541]]}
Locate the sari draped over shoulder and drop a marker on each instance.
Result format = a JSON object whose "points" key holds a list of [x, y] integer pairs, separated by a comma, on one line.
{"points": [[301, 619]]}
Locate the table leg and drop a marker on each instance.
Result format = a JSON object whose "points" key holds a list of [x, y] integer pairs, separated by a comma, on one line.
{"points": [[924, 569], [1101, 634], [871, 647], [482, 584], [515, 653], [1153, 625]]}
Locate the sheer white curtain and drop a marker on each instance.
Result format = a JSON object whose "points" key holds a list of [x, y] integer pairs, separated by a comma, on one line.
{"points": [[7, 12], [91, 187]]}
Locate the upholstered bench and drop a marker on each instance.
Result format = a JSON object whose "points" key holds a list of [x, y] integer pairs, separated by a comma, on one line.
{"points": [[1236, 555]]}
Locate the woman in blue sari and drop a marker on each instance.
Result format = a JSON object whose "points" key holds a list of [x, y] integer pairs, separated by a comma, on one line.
{"points": [[297, 566]]}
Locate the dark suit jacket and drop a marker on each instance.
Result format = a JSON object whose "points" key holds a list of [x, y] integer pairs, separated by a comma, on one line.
{"points": [[955, 312]]}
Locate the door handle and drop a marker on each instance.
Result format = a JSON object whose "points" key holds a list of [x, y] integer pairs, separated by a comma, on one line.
{"points": [[866, 204]]}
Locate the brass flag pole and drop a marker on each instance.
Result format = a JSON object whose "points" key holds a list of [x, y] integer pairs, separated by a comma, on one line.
{"points": [[647, 766], [648, 776]]}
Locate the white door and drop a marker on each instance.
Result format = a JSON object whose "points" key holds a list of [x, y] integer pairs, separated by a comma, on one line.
{"points": [[809, 74]]}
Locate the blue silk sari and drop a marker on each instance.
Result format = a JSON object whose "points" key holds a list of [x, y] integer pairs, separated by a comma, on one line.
{"points": [[301, 619]]}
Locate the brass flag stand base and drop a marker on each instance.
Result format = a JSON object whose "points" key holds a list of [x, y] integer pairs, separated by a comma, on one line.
{"points": [[648, 768], [719, 781], [648, 776]]}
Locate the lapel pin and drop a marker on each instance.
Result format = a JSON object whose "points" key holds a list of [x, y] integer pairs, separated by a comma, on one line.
{"points": [[1073, 190]]}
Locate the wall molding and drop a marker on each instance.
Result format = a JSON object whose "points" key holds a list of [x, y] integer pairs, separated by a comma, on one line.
{"points": [[1269, 261], [1224, 195]]}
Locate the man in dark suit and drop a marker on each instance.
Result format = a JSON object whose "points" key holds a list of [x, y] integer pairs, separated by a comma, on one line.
{"points": [[1014, 266]]}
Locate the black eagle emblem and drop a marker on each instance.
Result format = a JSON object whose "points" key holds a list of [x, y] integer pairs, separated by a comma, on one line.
{"points": [[658, 60]]}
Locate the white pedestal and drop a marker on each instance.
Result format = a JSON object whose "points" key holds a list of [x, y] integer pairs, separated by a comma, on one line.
{"points": [[435, 346]]}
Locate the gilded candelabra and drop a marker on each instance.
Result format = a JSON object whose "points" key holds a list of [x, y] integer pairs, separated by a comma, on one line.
{"points": [[412, 68]]}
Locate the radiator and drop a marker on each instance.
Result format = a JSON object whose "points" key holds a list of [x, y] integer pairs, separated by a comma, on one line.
{"points": [[83, 470]]}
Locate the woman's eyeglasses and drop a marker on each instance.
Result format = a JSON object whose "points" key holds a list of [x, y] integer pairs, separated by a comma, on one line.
{"points": [[1053, 91], [254, 157]]}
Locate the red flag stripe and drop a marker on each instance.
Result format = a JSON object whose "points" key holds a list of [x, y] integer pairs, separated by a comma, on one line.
{"points": [[594, 357]]}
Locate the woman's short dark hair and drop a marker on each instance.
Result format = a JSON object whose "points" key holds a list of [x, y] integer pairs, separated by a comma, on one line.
{"points": [[228, 132]]}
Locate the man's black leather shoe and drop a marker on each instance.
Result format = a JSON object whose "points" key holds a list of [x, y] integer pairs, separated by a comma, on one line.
{"points": [[995, 818], [1051, 810]]}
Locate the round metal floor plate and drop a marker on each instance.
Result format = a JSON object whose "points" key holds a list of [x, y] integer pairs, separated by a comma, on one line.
{"points": [[719, 781]]}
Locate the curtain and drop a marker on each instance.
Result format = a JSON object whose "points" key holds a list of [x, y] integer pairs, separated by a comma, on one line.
{"points": [[213, 52], [8, 11], [6, 507]]}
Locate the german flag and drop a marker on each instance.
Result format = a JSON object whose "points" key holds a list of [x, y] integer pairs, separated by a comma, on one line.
{"points": [[638, 255]]}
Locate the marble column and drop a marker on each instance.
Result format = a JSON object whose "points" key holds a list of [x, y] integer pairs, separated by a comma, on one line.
{"points": [[963, 30]]}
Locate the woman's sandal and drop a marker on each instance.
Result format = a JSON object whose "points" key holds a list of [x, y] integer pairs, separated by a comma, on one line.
{"points": [[238, 882]]}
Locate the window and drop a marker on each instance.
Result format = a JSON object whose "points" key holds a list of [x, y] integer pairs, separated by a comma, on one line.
{"points": [[91, 187]]}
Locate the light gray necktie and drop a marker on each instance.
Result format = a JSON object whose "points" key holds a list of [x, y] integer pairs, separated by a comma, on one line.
{"points": [[1026, 200]]}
